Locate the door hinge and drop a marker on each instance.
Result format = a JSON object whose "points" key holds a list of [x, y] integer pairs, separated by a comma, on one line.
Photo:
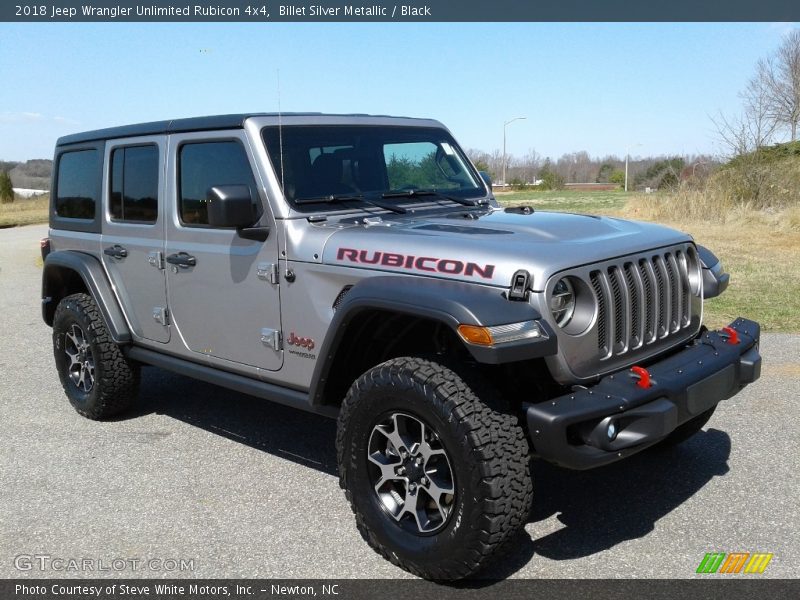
{"points": [[156, 259], [161, 315], [271, 338], [268, 272]]}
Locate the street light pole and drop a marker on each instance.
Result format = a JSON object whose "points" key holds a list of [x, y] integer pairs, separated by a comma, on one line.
{"points": [[627, 155], [504, 145]]}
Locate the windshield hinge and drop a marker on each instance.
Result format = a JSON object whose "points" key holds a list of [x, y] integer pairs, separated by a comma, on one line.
{"points": [[268, 272], [156, 259], [272, 338]]}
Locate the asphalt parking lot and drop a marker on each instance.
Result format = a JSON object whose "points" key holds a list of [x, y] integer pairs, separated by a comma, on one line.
{"points": [[237, 487]]}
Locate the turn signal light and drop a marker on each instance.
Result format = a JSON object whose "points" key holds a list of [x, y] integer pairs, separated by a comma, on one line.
{"points": [[475, 334]]}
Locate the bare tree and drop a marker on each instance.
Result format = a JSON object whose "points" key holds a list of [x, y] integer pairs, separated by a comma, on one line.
{"points": [[754, 128], [778, 78], [743, 136]]}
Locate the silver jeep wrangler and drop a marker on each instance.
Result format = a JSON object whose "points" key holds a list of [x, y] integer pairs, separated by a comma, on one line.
{"points": [[359, 267]]}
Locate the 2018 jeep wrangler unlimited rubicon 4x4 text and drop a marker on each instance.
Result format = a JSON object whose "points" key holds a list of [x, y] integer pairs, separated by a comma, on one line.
{"points": [[359, 267]]}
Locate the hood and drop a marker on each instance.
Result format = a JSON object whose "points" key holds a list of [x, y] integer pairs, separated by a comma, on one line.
{"points": [[489, 248]]}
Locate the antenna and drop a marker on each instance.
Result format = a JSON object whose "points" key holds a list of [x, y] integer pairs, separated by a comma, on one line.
{"points": [[288, 271], [280, 134]]}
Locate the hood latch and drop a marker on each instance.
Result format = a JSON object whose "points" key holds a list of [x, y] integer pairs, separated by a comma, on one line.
{"points": [[520, 286]]}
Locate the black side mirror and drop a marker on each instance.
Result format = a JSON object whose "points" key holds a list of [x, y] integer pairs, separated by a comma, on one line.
{"points": [[230, 206]]}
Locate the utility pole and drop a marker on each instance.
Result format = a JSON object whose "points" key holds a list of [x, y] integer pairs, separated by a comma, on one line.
{"points": [[504, 146], [627, 156]]}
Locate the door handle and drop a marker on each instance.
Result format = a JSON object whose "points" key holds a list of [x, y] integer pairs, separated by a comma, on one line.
{"points": [[182, 260], [116, 251]]}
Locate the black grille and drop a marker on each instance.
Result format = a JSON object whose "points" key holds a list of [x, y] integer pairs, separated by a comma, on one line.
{"points": [[649, 304], [601, 310], [641, 302], [636, 302]]}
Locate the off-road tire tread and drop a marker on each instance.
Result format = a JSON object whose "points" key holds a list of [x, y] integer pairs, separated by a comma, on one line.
{"points": [[116, 378], [498, 444]]}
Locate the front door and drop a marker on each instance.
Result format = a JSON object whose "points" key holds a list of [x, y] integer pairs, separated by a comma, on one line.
{"points": [[224, 302], [133, 233]]}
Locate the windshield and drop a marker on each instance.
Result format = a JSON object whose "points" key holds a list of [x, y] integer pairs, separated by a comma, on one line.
{"points": [[318, 162]]}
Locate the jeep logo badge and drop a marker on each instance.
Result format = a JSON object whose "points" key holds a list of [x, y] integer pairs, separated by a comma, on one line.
{"points": [[302, 342]]}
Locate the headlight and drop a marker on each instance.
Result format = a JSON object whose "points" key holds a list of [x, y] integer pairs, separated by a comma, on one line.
{"points": [[562, 302]]}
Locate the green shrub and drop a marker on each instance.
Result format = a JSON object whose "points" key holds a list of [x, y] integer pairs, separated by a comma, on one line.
{"points": [[6, 188]]}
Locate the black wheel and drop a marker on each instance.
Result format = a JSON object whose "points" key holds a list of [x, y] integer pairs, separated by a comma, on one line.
{"points": [[438, 478], [98, 380], [683, 432]]}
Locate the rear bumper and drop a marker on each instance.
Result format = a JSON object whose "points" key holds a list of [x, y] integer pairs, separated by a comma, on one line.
{"points": [[572, 430]]}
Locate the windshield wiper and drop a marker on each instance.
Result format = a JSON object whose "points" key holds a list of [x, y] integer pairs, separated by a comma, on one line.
{"points": [[415, 193], [334, 198]]}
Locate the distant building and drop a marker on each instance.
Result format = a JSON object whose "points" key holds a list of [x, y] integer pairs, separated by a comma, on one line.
{"points": [[29, 193]]}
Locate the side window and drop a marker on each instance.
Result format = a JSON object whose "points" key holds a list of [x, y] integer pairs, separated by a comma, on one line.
{"points": [[76, 186], [134, 184], [203, 165]]}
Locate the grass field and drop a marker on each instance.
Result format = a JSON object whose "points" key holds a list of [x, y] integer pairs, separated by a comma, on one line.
{"points": [[607, 203], [763, 260], [24, 211]]}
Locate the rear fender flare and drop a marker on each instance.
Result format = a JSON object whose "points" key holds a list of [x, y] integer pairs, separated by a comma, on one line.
{"points": [[56, 267]]}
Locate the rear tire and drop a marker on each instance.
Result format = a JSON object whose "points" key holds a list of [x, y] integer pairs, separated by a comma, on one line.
{"points": [[97, 378], [437, 477]]}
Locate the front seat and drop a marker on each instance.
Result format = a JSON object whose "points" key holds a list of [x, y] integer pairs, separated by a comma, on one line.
{"points": [[326, 176]]}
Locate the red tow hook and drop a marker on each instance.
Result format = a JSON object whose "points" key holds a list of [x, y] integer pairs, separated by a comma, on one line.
{"points": [[732, 336], [643, 375]]}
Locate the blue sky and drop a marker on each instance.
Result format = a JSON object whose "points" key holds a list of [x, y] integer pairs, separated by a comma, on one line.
{"points": [[592, 86]]}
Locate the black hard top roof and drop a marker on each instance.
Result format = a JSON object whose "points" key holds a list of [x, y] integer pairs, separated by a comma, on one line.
{"points": [[235, 121]]}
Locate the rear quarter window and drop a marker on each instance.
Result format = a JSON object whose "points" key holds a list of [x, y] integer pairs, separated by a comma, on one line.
{"points": [[76, 184]]}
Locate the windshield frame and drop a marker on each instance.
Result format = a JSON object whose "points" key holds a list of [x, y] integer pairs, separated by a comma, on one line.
{"points": [[272, 135]]}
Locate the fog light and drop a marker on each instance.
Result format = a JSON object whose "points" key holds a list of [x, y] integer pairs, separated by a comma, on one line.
{"points": [[611, 431]]}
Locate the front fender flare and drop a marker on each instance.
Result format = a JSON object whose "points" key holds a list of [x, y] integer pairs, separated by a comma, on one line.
{"points": [[448, 302]]}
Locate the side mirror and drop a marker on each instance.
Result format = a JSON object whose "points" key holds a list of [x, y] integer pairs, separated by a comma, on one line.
{"points": [[230, 206], [486, 178]]}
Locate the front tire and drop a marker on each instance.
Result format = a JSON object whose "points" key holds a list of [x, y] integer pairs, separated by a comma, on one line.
{"points": [[97, 378], [437, 477]]}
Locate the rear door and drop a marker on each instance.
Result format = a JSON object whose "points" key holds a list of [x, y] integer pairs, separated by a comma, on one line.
{"points": [[223, 296], [133, 232]]}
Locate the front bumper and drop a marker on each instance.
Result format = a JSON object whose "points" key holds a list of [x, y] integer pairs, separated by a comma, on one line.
{"points": [[572, 430]]}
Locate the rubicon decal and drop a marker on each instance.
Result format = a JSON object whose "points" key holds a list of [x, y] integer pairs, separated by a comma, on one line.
{"points": [[432, 264]]}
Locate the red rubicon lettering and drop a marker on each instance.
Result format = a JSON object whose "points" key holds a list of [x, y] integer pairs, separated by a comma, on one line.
{"points": [[429, 264], [392, 260], [451, 266], [348, 254], [485, 271], [365, 258], [420, 263]]}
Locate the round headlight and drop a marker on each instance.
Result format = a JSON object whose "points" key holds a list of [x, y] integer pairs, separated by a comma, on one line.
{"points": [[562, 302]]}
